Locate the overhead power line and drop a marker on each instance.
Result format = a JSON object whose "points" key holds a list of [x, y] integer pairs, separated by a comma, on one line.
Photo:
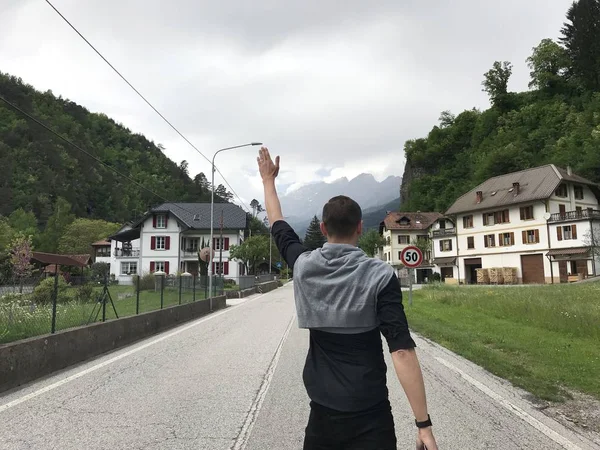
{"points": [[147, 102], [95, 158]]}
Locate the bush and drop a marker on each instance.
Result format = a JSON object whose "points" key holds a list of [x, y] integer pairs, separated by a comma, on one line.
{"points": [[435, 277], [43, 292], [99, 270], [146, 282], [84, 293], [229, 282]]}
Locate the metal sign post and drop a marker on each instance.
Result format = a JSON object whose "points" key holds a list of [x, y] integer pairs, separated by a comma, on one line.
{"points": [[411, 257]]}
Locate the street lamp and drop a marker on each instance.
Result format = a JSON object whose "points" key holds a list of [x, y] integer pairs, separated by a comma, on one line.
{"points": [[212, 214]]}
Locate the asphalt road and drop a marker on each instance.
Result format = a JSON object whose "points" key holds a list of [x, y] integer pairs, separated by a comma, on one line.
{"points": [[233, 381]]}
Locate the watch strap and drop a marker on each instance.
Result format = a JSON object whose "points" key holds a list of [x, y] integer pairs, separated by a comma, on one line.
{"points": [[425, 423]]}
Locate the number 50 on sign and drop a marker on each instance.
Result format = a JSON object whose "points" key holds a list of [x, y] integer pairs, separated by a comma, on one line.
{"points": [[411, 257]]}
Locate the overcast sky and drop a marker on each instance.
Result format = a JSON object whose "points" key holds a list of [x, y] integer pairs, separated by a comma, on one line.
{"points": [[334, 87]]}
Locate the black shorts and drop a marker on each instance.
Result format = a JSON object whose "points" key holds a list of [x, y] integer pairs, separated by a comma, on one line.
{"points": [[372, 429]]}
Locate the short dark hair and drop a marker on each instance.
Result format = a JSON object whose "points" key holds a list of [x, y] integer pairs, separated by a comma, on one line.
{"points": [[341, 216]]}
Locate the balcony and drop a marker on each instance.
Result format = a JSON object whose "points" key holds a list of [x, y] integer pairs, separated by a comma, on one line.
{"points": [[190, 253], [575, 215], [445, 232], [127, 253]]}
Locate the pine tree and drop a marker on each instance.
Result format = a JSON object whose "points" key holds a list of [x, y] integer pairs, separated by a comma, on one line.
{"points": [[581, 38], [314, 238]]}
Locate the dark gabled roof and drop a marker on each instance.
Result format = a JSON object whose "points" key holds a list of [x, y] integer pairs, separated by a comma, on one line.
{"points": [[127, 234], [196, 216], [415, 220], [538, 183], [62, 260]]}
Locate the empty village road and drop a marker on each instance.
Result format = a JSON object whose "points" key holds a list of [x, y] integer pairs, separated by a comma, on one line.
{"points": [[233, 381]]}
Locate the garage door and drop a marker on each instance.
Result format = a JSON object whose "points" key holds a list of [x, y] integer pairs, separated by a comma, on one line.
{"points": [[532, 268]]}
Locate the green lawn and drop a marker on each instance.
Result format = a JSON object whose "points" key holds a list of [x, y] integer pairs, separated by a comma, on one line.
{"points": [[541, 338], [24, 319]]}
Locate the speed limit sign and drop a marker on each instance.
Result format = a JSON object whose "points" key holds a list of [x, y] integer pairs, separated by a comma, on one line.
{"points": [[411, 257]]}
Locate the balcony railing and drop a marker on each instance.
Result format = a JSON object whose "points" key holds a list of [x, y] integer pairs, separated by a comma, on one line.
{"points": [[127, 253], [190, 253], [575, 215], [444, 232]]}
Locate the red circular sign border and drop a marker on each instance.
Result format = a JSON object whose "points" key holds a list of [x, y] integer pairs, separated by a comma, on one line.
{"points": [[418, 250]]}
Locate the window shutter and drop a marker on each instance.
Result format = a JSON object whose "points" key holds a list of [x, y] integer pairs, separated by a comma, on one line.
{"points": [[154, 221], [522, 213], [506, 215], [485, 219], [559, 233], [512, 238], [485, 242], [214, 245], [153, 243], [500, 240], [450, 247], [399, 255], [226, 244], [167, 267], [213, 268], [574, 231], [441, 246], [226, 268], [152, 266], [537, 236], [168, 243], [524, 236], [166, 220]]}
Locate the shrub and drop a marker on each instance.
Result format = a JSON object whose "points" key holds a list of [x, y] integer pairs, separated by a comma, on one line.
{"points": [[146, 281], [99, 270], [43, 292], [435, 277], [84, 293]]}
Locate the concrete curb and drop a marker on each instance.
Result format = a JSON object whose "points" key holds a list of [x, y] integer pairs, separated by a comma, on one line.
{"points": [[29, 359]]}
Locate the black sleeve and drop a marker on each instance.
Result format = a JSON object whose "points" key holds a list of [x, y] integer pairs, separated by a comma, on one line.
{"points": [[287, 242], [393, 323]]}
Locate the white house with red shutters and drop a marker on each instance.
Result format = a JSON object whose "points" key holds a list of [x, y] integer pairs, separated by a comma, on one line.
{"points": [[168, 238]]}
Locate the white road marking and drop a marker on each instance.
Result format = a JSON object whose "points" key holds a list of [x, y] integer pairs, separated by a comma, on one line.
{"points": [[245, 432], [77, 375], [559, 439]]}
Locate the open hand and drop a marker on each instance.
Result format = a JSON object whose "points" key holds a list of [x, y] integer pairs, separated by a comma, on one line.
{"points": [[425, 440], [268, 169]]}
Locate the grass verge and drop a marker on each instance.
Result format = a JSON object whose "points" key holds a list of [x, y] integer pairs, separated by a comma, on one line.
{"points": [[541, 338]]}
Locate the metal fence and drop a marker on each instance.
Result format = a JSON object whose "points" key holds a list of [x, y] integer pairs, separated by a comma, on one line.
{"points": [[48, 304]]}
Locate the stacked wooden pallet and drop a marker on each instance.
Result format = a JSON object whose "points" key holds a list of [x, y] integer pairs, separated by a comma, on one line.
{"points": [[496, 275], [510, 275], [482, 276]]}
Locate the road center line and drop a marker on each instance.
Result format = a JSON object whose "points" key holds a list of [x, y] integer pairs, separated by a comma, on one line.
{"points": [[89, 370], [559, 439], [245, 432]]}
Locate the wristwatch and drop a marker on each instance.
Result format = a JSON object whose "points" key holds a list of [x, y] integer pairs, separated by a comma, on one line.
{"points": [[424, 424]]}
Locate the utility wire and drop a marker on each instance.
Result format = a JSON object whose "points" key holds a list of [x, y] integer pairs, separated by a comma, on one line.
{"points": [[95, 158], [147, 102]]}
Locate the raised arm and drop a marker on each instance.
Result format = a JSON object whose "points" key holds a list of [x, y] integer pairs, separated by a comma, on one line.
{"points": [[287, 241], [394, 327]]}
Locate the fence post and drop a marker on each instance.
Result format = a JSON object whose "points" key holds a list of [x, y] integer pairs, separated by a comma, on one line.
{"points": [[180, 289], [137, 296], [193, 288], [104, 297], [162, 290], [54, 301]]}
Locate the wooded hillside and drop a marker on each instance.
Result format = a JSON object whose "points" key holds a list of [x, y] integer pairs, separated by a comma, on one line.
{"points": [[557, 121]]}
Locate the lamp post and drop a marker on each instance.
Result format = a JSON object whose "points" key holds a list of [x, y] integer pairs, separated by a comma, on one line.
{"points": [[212, 213]]}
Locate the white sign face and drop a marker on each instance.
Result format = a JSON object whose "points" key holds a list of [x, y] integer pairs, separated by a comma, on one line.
{"points": [[411, 257]]}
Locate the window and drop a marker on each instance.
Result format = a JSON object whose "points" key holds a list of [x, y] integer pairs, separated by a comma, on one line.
{"points": [[442, 224], [531, 236], [578, 209], [506, 239], [494, 218], [221, 268], [128, 268], [446, 245], [567, 232], [470, 242], [468, 221], [578, 192], [161, 221], [190, 244], [103, 251], [489, 240], [159, 266], [526, 212], [221, 243], [561, 191], [403, 239], [160, 243]]}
